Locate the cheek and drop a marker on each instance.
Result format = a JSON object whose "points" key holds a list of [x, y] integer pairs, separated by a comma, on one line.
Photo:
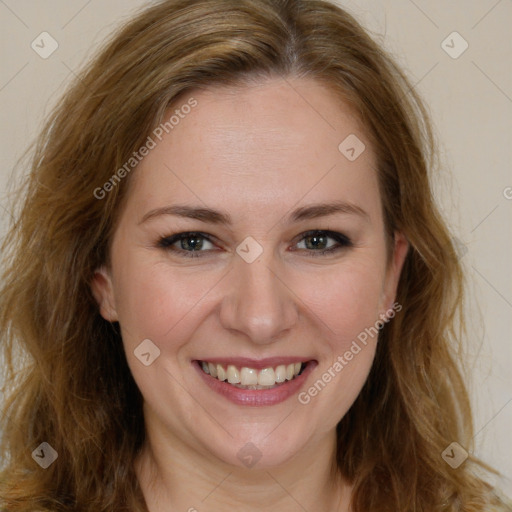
{"points": [[156, 302], [346, 299], [153, 300], [346, 306]]}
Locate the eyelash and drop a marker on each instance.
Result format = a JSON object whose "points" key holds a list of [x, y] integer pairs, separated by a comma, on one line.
{"points": [[167, 242]]}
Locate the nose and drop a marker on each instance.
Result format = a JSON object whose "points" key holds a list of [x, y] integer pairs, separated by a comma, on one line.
{"points": [[258, 303]]}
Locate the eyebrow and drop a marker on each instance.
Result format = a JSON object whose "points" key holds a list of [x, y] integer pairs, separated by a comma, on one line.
{"points": [[211, 216]]}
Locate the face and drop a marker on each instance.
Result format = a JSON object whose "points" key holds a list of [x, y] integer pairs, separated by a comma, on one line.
{"points": [[248, 262]]}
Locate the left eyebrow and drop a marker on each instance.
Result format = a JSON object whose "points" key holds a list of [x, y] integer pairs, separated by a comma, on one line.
{"points": [[313, 211]]}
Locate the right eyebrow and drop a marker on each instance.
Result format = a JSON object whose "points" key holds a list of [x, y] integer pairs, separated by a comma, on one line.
{"points": [[190, 212]]}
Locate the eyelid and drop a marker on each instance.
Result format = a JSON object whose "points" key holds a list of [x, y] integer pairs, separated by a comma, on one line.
{"points": [[342, 242], [166, 242], [336, 235]]}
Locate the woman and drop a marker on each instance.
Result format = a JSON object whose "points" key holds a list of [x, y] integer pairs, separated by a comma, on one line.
{"points": [[230, 283]]}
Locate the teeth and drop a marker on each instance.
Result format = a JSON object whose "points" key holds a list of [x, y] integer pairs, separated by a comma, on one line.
{"points": [[280, 373], [267, 377], [233, 375], [250, 378], [254, 387], [213, 369], [221, 373]]}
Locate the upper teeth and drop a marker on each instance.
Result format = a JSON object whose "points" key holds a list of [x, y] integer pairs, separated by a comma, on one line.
{"points": [[251, 377]]}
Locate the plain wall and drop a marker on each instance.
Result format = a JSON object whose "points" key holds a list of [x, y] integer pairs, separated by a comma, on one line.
{"points": [[470, 99]]}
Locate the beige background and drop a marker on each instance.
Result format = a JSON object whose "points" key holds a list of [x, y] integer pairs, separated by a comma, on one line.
{"points": [[470, 98]]}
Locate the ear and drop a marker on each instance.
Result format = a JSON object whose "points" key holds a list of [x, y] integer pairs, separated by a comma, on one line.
{"points": [[102, 289], [400, 249]]}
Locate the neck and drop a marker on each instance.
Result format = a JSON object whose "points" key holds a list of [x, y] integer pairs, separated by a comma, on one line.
{"points": [[175, 475]]}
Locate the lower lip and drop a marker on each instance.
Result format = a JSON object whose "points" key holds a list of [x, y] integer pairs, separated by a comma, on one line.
{"points": [[256, 397]]}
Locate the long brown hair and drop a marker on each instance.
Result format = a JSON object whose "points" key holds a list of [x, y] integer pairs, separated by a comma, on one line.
{"points": [[68, 381]]}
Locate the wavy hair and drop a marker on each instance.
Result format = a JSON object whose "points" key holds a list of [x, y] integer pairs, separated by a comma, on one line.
{"points": [[68, 382]]}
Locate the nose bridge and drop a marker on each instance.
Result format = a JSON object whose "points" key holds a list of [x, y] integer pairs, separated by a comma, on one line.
{"points": [[258, 303]]}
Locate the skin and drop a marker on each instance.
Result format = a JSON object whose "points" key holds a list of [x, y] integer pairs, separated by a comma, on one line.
{"points": [[257, 153]]}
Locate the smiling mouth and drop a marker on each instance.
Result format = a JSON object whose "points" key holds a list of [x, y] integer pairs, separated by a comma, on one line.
{"points": [[251, 378]]}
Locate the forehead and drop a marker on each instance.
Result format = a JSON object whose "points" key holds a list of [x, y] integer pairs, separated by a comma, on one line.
{"points": [[256, 146]]}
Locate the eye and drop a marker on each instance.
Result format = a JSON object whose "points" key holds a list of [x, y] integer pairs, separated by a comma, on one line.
{"points": [[317, 242], [187, 244], [191, 244]]}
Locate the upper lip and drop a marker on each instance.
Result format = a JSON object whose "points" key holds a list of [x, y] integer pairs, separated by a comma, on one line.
{"points": [[257, 364]]}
